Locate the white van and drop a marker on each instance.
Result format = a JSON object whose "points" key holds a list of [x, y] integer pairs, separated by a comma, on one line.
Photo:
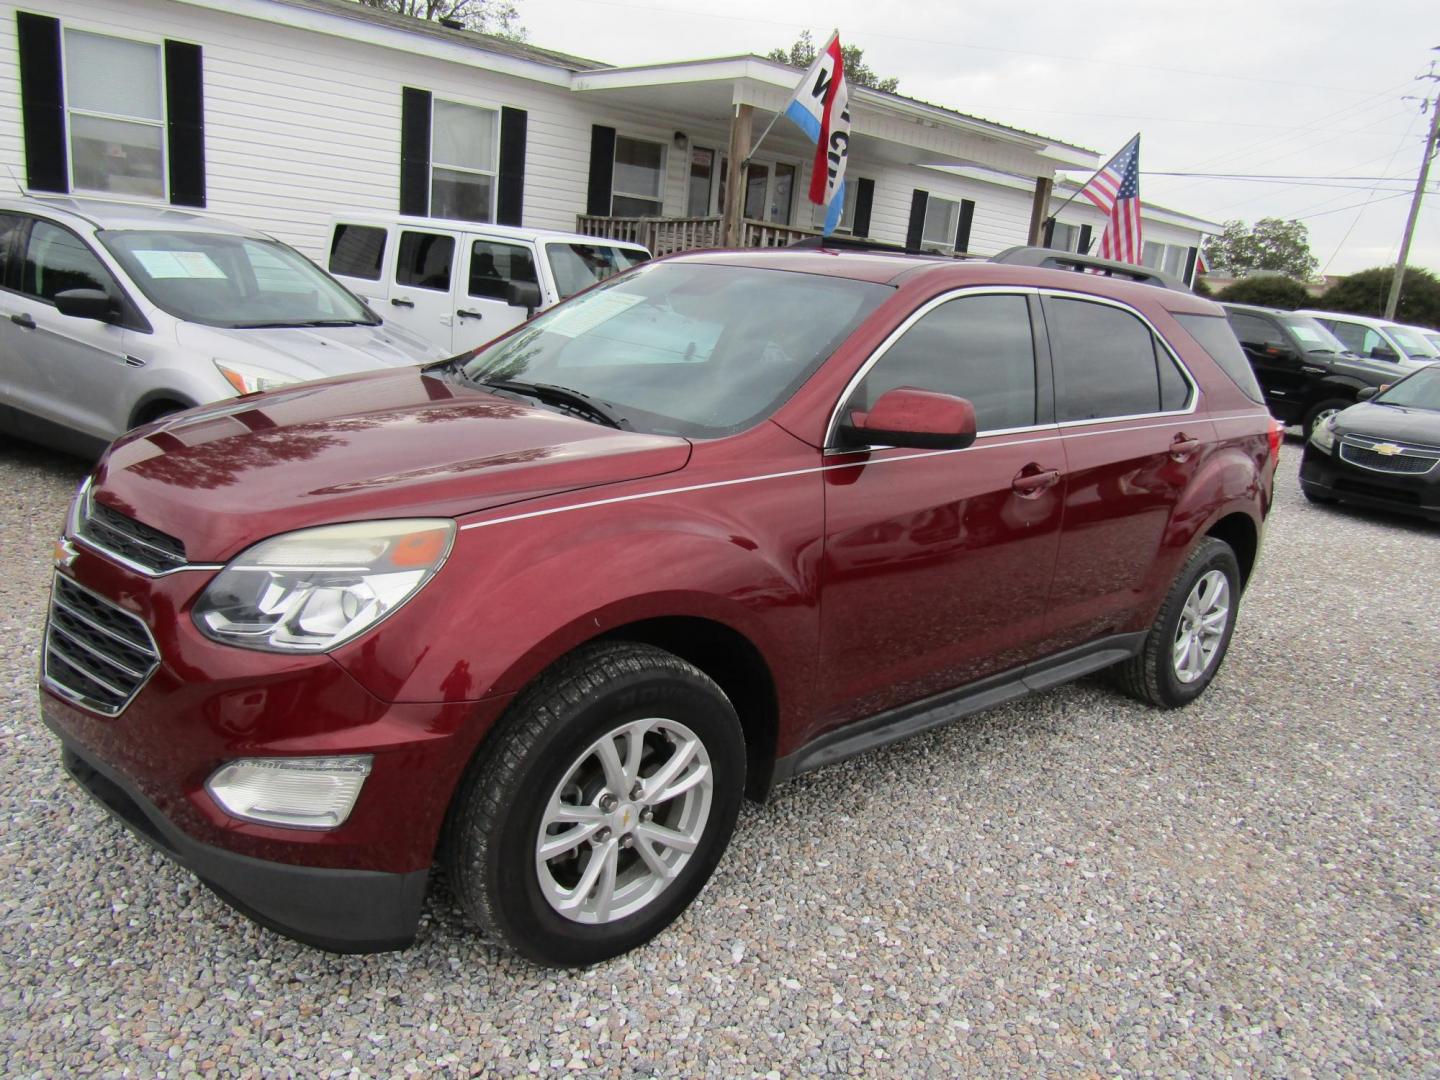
{"points": [[1375, 338], [460, 283]]}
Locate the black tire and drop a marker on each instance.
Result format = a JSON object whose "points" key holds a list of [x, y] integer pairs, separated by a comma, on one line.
{"points": [[1321, 409], [497, 816], [1150, 675]]}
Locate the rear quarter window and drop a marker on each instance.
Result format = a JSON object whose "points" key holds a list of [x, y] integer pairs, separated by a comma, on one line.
{"points": [[1214, 334], [357, 251]]}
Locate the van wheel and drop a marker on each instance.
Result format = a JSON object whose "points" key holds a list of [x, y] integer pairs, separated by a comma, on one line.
{"points": [[599, 807], [1322, 411], [1188, 640]]}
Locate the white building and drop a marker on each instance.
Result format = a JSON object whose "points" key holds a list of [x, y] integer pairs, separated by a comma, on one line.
{"points": [[282, 113]]}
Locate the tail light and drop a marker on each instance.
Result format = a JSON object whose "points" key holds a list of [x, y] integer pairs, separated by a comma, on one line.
{"points": [[1277, 436]]}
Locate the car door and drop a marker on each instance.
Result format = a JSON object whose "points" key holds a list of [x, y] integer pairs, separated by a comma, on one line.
{"points": [[12, 239], [422, 285], [937, 563], [64, 370], [1133, 441], [482, 312], [1278, 365]]}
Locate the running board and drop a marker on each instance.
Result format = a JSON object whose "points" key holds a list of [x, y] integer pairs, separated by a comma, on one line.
{"points": [[932, 712]]}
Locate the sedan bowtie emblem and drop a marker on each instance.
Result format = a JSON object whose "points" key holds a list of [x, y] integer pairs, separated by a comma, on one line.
{"points": [[65, 553], [1389, 449]]}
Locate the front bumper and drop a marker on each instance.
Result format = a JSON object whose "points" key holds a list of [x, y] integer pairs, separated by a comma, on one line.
{"points": [[1330, 476]]}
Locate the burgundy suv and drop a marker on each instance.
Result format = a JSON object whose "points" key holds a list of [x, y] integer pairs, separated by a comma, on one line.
{"points": [[543, 614]]}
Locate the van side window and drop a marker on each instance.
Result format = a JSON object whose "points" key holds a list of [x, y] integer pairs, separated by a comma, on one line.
{"points": [[425, 261], [493, 266], [1106, 363], [357, 251]]}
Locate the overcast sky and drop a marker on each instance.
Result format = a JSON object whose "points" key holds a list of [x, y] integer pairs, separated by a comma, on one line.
{"points": [[1309, 88]]}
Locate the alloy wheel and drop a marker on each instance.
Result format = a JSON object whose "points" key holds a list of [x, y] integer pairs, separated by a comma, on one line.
{"points": [[1203, 622]]}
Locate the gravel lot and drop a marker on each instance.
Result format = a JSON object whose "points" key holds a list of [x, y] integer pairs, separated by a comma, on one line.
{"points": [[1071, 884]]}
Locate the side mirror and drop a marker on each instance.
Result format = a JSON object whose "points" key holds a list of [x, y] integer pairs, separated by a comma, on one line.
{"points": [[1365, 393], [906, 416], [524, 294], [85, 304], [1383, 352]]}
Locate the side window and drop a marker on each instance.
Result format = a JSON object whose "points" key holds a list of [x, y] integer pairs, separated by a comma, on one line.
{"points": [[57, 260], [1351, 335], [425, 260], [975, 347], [12, 227], [1174, 389], [1256, 333], [357, 251], [493, 266], [1105, 361]]}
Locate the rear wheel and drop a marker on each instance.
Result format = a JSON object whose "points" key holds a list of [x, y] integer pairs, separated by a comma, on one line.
{"points": [[1322, 411], [1188, 640], [601, 806]]}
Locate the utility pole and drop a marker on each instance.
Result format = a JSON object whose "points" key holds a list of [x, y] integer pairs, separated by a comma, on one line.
{"points": [[1399, 277]]}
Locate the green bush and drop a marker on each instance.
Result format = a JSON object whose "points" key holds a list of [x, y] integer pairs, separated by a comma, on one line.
{"points": [[1267, 290], [1365, 293]]}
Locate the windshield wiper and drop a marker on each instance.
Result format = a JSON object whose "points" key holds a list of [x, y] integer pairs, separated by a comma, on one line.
{"points": [[305, 322], [549, 393]]}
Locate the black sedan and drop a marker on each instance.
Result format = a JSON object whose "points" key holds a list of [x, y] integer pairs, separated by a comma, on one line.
{"points": [[1383, 452]]}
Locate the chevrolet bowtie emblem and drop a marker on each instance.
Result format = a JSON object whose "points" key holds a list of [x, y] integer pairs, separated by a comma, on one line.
{"points": [[65, 553], [1389, 449]]}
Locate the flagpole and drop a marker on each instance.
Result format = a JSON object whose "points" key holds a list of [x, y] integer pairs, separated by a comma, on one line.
{"points": [[776, 118], [1081, 189]]}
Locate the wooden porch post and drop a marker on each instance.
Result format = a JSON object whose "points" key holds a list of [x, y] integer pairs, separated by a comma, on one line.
{"points": [[732, 232], [1040, 209]]}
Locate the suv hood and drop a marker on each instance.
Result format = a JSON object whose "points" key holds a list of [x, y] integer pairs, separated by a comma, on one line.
{"points": [[310, 352], [378, 445]]}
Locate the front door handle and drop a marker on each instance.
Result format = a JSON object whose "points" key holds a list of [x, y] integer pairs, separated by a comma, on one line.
{"points": [[469, 314], [23, 319], [1032, 480], [1182, 446], [398, 301]]}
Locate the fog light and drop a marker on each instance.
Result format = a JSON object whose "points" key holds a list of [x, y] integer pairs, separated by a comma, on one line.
{"points": [[302, 793]]}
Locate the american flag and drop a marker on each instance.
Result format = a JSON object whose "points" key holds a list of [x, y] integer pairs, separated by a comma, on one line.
{"points": [[1115, 189]]}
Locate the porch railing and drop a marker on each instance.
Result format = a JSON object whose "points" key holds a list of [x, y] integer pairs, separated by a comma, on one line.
{"points": [[664, 236]]}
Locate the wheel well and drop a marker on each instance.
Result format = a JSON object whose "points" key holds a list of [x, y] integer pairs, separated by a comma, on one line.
{"points": [[1239, 532], [155, 408], [737, 667]]}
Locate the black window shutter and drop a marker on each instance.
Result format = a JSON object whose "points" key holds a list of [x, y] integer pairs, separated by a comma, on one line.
{"points": [[414, 152], [602, 170], [962, 231], [1084, 247], [185, 107], [864, 200], [42, 102], [510, 201], [916, 231], [1048, 239], [1190, 257]]}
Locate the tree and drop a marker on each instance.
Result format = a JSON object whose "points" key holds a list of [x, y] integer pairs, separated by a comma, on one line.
{"points": [[498, 17], [802, 55], [1273, 244], [1364, 293], [1267, 290]]}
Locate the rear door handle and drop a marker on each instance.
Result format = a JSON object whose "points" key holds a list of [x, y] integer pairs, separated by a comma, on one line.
{"points": [[398, 301], [1028, 484], [1183, 446], [469, 314], [23, 319]]}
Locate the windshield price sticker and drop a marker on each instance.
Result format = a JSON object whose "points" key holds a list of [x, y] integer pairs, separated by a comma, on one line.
{"points": [[579, 318], [179, 264]]}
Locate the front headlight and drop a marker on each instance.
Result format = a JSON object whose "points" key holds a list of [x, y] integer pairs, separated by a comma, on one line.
{"points": [[1323, 437], [251, 379], [312, 590]]}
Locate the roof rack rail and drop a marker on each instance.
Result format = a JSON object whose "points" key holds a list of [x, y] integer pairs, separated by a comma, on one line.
{"points": [[858, 243], [1069, 260]]}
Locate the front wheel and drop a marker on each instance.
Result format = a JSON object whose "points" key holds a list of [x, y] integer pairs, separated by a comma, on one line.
{"points": [[601, 806], [1322, 411], [1190, 635]]}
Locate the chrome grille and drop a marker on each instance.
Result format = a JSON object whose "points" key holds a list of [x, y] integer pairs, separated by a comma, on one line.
{"points": [[95, 654], [123, 536], [1405, 460]]}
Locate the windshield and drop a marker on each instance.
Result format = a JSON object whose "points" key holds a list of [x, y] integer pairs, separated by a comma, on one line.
{"points": [[684, 348], [1312, 336], [233, 281], [578, 266], [1418, 391], [1415, 347]]}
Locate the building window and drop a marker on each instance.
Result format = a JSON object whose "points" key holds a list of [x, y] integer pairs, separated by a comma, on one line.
{"points": [[1065, 237], [463, 161], [942, 221], [115, 109], [1154, 254], [1175, 256], [637, 185]]}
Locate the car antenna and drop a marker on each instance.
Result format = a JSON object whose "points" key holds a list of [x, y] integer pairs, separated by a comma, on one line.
{"points": [[18, 186]]}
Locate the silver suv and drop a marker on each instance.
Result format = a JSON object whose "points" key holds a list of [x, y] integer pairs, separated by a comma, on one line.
{"points": [[114, 315]]}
